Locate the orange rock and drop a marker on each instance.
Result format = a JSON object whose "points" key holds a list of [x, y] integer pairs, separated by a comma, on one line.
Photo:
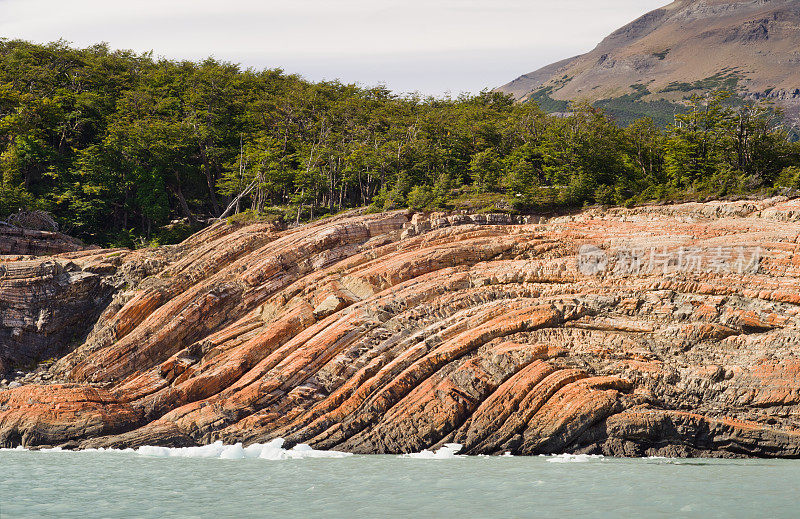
{"points": [[396, 332]]}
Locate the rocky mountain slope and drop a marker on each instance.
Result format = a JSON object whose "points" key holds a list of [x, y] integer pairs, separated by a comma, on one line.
{"points": [[688, 46], [649, 331]]}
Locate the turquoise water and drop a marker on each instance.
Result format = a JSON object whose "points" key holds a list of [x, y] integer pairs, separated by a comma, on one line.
{"points": [[129, 485]]}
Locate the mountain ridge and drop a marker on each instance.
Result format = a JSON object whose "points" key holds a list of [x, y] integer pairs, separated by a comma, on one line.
{"points": [[750, 47]]}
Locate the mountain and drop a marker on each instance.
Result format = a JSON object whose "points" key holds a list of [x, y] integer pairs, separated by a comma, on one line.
{"points": [[689, 46], [400, 331]]}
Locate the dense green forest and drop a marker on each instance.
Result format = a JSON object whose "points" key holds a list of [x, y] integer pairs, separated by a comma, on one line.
{"points": [[118, 146]]}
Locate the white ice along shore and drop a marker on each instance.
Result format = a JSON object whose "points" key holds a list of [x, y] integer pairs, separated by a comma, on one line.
{"points": [[272, 450], [268, 451]]}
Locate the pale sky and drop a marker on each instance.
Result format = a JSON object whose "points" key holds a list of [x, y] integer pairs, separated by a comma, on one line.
{"points": [[433, 46]]}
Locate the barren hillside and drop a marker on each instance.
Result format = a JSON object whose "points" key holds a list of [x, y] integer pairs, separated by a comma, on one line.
{"points": [[688, 46]]}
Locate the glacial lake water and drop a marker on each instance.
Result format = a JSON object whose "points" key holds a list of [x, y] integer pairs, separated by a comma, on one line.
{"points": [[173, 484]]}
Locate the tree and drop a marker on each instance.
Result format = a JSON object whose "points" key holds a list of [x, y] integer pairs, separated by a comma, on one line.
{"points": [[117, 145]]}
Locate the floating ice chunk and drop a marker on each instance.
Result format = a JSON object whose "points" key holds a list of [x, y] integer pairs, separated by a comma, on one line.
{"points": [[270, 451], [304, 451], [98, 449], [660, 460], [214, 450], [448, 451], [232, 452], [574, 458]]}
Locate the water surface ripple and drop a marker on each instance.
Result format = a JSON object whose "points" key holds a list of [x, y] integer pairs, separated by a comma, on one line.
{"points": [[89, 485]]}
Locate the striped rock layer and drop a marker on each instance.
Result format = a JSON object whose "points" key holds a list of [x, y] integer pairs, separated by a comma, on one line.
{"points": [[395, 332], [16, 240]]}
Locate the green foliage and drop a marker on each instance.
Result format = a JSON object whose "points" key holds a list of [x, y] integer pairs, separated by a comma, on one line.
{"points": [[542, 98], [421, 197], [789, 177], [425, 197], [126, 149], [724, 80], [15, 198], [249, 216], [718, 149], [485, 168], [629, 108], [624, 109]]}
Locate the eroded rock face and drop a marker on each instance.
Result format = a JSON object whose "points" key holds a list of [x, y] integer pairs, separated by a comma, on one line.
{"points": [[45, 305], [396, 332]]}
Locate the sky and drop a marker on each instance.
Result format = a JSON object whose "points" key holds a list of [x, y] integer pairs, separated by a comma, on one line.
{"points": [[434, 47]]}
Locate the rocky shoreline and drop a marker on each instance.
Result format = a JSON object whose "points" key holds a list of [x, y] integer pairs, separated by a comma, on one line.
{"points": [[618, 332]]}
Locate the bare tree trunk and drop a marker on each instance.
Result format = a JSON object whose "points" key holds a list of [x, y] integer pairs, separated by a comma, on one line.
{"points": [[300, 206], [182, 200], [236, 200], [241, 174], [209, 180]]}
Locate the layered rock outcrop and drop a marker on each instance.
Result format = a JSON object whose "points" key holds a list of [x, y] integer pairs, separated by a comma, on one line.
{"points": [[649, 331], [19, 241]]}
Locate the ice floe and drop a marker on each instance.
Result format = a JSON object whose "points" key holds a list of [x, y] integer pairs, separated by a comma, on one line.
{"points": [[448, 451], [574, 458]]}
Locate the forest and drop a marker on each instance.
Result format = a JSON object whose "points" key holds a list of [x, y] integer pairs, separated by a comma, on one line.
{"points": [[129, 149]]}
